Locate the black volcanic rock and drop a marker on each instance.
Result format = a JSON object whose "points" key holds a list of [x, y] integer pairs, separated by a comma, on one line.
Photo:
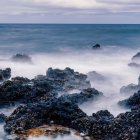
{"points": [[69, 78], [5, 74], [86, 95], [59, 111], [21, 58], [96, 46]]}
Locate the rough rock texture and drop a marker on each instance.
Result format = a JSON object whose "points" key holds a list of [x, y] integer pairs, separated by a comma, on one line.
{"points": [[132, 101], [131, 88], [5, 74], [21, 58], [33, 115], [23, 90], [69, 78]]}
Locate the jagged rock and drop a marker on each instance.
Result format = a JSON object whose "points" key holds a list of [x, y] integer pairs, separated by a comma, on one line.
{"points": [[97, 46], [132, 101], [21, 58], [70, 79], [131, 88], [5, 74]]}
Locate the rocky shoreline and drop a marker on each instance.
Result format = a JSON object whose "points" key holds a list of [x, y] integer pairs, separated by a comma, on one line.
{"points": [[44, 100]]}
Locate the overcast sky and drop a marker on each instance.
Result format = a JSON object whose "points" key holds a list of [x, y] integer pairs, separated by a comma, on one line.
{"points": [[70, 11]]}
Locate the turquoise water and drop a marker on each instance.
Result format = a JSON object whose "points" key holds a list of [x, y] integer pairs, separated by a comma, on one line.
{"points": [[33, 38]]}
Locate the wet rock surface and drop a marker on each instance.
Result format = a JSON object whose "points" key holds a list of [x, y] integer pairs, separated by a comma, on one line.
{"points": [[39, 105], [5, 74], [96, 46]]}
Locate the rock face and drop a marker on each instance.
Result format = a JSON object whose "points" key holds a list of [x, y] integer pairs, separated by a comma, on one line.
{"points": [[21, 58], [132, 101], [5, 74], [131, 88], [97, 46]]}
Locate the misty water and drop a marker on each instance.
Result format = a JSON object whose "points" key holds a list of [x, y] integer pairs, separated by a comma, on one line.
{"points": [[111, 62], [61, 47]]}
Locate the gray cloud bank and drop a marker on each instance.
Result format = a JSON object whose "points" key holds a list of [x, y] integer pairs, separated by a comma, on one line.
{"points": [[70, 11]]}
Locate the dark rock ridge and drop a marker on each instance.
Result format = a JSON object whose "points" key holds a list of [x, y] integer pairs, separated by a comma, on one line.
{"points": [[21, 58], [42, 106], [131, 88], [5, 74], [23, 90], [132, 101]]}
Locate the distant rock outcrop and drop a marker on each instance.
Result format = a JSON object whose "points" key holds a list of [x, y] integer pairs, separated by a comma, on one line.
{"points": [[96, 46], [21, 58]]}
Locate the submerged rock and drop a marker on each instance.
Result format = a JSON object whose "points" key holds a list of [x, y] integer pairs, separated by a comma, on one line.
{"points": [[5, 74], [131, 88], [132, 101], [136, 58], [96, 46], [96, 77], [21, 58]]}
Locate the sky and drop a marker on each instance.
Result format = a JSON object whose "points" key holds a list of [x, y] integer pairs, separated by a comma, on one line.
{"points": [[70, 11]]}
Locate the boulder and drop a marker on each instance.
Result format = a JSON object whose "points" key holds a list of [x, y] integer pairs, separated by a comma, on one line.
{"points": [[96, 46], [134, 65], [21, 58], [2, 118]]}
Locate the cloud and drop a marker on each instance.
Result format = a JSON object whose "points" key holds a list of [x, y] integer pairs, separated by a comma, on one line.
{"points": [[68, 8]]}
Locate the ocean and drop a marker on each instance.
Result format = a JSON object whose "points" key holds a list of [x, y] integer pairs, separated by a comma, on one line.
{"points": [[34, 38], [70, 45]]}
